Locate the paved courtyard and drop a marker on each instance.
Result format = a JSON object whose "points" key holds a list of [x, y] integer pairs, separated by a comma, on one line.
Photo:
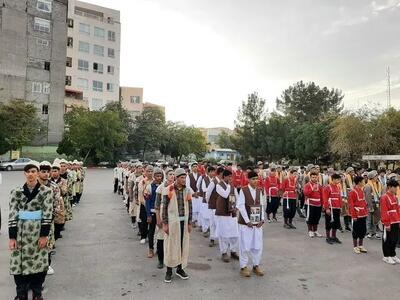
{"points": [[100, 257]]}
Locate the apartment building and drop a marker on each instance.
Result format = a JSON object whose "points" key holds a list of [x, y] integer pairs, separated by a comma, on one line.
{"points": [[93, 53], [33, 36]]}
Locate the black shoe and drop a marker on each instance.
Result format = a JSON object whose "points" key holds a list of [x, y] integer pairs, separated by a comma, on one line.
{"points": [[348, 228], [234, 256], [182, 274], [168, 278], [336, 240], [160, 265], [329, 241], [287, 226], [292, 226]]}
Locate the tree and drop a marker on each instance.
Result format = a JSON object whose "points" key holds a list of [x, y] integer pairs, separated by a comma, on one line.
{"points": [[224, 140], [20, 125], [92, 134], [307, 102], [148, 130]]}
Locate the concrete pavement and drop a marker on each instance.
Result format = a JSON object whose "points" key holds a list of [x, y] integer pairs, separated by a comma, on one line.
{"points": [[100, 257]]}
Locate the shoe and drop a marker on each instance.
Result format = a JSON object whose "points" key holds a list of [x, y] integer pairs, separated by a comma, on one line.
{"points": [[182, 274], [234, 256], [225, 258], [336, 240], [212, 243], [329, 241], [73, 205], [269, 220], [143, 241], [245, 272], [378, 237], [291, 226], [168, 277], [311, 234], [50, 271], [370, 235], [150, 254], [396, 259], [348, 228], [275, 220], [317, 234], [357, 250], [206, 234], [194, 225], [362, 249], [160, 265], [389, 260], [258, 271], [286, 226]]}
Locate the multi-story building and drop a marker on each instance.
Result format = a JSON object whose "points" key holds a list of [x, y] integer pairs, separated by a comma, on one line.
{"points": [[33, 36], [93, 53], [211, 134]]}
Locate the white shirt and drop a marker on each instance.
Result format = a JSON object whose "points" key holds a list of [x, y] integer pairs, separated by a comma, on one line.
{"points": [[241, 203]]}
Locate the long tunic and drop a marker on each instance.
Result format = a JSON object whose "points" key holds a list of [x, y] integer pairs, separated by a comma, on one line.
{"points": [[28, 258]]}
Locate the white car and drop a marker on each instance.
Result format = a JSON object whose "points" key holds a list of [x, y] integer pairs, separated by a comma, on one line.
{"points": [[17, 164]]}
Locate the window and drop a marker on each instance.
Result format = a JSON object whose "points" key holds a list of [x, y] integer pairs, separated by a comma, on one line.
{"points": [[97, 104], [98, 50], [45, 109], [46, 88], [98, 68], [41, 25], [83, 65], [111, 36], [84, 28], [110, 87], [83, 84], [84, 47], [111, 52], [110, 70], [70, 23], [44, 5], [36, 87], [99, 32], [70, 42], [68, 80], [69, 62], [42, 42], [97, 86], [135, 99], [47, 65]]}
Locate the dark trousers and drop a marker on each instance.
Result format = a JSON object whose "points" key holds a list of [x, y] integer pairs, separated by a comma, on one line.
{"points": [[347, 221], [152, 230], [115, 185], [336, 220], [389, 244], [169, 270], [160, 250], [359, 228], [32, 281], [272, 206], [143, 226], [313, 214], [57, 230], [78, 197], [289, 213]]}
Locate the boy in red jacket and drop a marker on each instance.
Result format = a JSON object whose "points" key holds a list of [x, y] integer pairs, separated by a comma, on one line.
{"points": [[332, 202], [358, 211], [313, 200], [289, 196]]}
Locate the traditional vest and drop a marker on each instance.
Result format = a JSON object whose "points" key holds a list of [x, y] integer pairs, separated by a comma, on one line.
{"points": [[249, 202], [193, 182], [212, 203], [222, 204], [207, 180]]}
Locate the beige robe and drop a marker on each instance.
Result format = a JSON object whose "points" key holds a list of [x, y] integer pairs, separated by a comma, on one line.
{"points": [[173, 256]]}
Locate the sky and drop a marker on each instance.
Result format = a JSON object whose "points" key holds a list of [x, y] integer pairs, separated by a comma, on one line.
{"points": [[201, 58]]}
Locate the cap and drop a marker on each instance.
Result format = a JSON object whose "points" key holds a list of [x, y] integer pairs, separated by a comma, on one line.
{"points": [[180, 172], [157, 171], [349, 169], [32, 164], [372, 174]]}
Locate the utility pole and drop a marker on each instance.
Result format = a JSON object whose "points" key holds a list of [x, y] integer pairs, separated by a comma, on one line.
{"points": [[389, 96]]}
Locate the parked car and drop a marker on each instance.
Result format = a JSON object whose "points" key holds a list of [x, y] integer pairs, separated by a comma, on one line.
{"points": [[16, 164]]}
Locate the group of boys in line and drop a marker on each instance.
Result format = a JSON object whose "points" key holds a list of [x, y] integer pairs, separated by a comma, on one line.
{"points": [[38, 212]]}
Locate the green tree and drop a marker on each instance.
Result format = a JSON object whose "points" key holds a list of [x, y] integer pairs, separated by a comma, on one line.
{"points": [[307, 102], [20, 125], [224, 140]]}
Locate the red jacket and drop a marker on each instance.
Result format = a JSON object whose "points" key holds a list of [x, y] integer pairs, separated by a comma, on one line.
{"points": [[313, 194], [332, 197], [288, 188], [357, 203], [390, 209], [271, 185], [237, 178]]}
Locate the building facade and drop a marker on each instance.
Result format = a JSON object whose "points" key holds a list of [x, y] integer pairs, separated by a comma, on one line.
{"points": [[33, 37], [93, 53]]}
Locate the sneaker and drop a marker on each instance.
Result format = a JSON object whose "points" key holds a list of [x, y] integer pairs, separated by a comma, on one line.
{"points": [[362, 249], [389, 260], [329, 241], [182, 274], [143, 241], [234, 256], [357, 250], [160, 265], [269, 220], [336, 240], [311, 234], [258, 271], [370, 235], [291, 226], [212, 243], [396, 259], [168, 277], [50, 271], [317, 234], [225, 258], [348, 229], [244, 272]]}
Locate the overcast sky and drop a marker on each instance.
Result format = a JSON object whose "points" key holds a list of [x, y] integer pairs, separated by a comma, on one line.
{"points": [[201, 58]]}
